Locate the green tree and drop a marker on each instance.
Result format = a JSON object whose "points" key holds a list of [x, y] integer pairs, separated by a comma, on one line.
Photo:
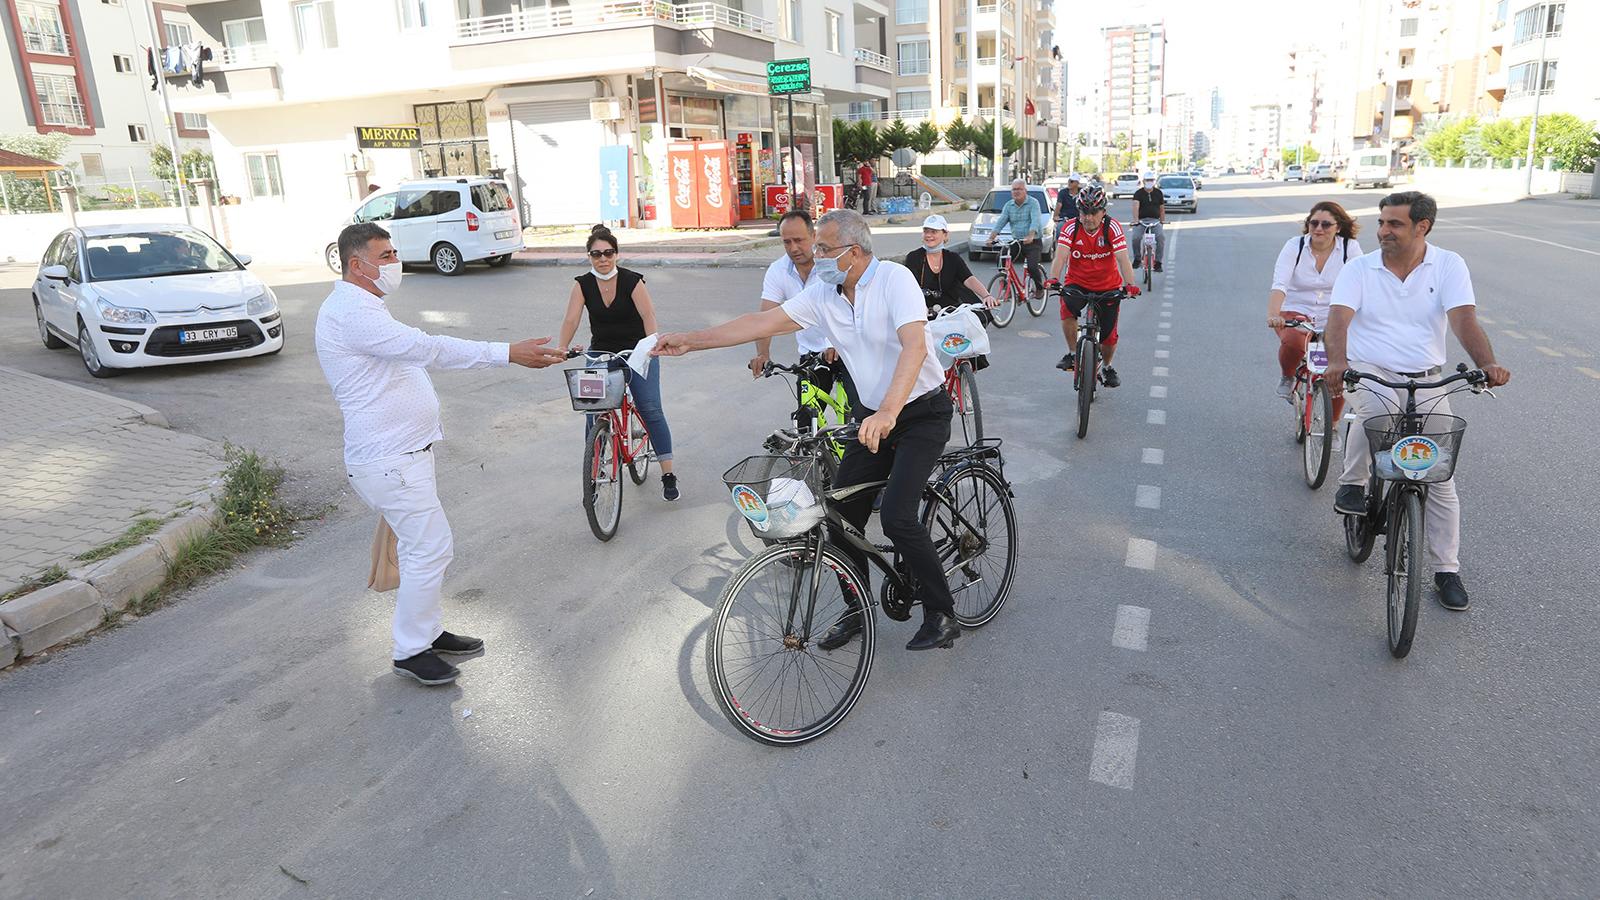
{"points": [[894, 137], [1504, 139], [49, 147], [924, 138], [962, 138], [1567, 138], [1010, 142], [1451, 141], [194, 161], [1292, 155]]}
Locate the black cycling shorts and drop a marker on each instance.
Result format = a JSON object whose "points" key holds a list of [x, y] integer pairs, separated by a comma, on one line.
{"points": [[1074, 300]]}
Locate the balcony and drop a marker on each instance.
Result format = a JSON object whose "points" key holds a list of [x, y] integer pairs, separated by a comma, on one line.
{"points": [[245, 57], [237, 76], [48, 41], [873, 60], [588, 32], [589, 15]]}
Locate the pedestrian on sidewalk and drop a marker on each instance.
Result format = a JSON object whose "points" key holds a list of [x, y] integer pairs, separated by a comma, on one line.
{"points": [[378, 369], [869, 188]]}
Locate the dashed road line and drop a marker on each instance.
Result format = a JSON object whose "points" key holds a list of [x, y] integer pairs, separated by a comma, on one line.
{"points": [[1589, 372], [1167, 304], [1156, 456], [1132, 631], [1166, 314], [1158, 391], [1116, 750], [1486, 320], [1538, 337], [1147, 496], [1141, 554], [1164, 338], [1156, 417], [1162, 354], [1549, 352], [1159, 371], [1166, 324]]}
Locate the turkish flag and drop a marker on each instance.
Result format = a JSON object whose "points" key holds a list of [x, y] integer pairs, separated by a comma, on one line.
{"points": [[1029, 110]]}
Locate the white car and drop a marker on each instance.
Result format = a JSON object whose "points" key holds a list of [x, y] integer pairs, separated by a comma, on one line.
{"points": [[1124, 186], [1294, 173], [132, 296], [445, 222], [1179, 191]]}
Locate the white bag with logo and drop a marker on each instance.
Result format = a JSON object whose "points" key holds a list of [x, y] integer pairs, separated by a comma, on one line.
{"points": [[958, 336]]}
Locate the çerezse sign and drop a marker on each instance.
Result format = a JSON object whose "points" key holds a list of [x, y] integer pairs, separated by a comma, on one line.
{"points": [[789, 76], [388, 137]]}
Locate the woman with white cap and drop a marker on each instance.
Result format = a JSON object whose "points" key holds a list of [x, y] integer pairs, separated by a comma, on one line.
{"points": [[944, 277]]}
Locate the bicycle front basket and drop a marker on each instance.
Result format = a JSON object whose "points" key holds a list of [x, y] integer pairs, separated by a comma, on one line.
{"points": [[1427, 454], [595, 388], [779, 496]]}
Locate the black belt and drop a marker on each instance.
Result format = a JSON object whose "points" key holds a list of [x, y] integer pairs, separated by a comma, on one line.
{"points": [[1428, 374]]}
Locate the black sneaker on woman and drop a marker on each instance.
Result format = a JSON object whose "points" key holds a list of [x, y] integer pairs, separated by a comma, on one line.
{"points": [[669, 486]]}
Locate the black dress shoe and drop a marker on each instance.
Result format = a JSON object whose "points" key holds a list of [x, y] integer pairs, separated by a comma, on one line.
{"points": [[1350, 501], [1452, 593], [456, 644], [843, 631], [937, 630], [427, 668]]}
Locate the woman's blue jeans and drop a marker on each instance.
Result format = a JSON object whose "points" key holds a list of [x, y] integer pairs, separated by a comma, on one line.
{"points": [[646, 392]]}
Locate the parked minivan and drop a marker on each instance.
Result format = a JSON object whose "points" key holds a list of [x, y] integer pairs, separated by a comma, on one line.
{"points": [[444, 222], [1369, 167]]}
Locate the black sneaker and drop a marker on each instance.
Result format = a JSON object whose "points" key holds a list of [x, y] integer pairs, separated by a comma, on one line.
{"points": [[1109, 377], [1452, 593], [938, 630], [427, 668], [669, 486], [456, 644], [1067, 362], [1158, 266], [1350, 501]]}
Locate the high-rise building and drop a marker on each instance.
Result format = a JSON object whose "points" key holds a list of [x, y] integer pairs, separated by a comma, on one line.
{"points": [[1264, 135], [1177, 135], [1216, 108], [1136, 83]]}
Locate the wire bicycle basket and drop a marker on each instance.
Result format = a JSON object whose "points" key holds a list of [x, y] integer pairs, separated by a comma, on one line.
{"points": [[595, 388], [779, 496], [1424, 450]]}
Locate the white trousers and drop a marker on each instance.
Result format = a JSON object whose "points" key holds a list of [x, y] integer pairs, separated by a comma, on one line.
{"points": [[403, 491], [1443, 513]]}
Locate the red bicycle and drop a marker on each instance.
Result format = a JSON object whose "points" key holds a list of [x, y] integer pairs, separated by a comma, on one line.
{"points": [[1313, 407], [616, 436], [1010, 283], [961, 383]]}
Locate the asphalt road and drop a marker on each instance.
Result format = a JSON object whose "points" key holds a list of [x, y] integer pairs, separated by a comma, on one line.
{"points": [[250, 740]]}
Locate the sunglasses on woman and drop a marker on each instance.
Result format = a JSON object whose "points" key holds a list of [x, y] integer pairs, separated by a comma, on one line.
{"points": [[1316, 224], [602, 254]]}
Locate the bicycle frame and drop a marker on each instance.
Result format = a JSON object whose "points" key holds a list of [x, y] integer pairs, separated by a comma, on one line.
{"points": [[1306, 377], [625, 447], [1009, 266]]}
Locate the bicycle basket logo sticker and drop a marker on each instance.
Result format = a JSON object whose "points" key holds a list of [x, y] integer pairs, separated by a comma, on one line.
{"points": [[751, 506], [955, 343], [1415, 455]]}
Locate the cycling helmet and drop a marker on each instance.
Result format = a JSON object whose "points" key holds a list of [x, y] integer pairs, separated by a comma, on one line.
{"points": [[1092, 199]]}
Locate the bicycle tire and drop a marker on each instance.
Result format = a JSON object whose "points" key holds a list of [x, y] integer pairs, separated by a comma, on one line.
{"points": [[1359, 537], [738, 611], [602, 481], [1318, 446], [1298, 399], [969, 411], [1406, 544], [1036, 302], [1000, 289], [970, 547], [1084, 380], [639, 465], [1148, 277]]}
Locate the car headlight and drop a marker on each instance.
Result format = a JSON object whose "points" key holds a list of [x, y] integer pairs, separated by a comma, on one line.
{"points": [[260, 306], [123, 315]]}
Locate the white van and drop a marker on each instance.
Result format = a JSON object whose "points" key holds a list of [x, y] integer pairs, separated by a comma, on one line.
{"points": [[1369, 167], [445, 222]]}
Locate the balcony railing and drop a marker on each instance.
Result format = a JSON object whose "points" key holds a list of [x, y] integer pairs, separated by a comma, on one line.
{"points": [[914, 66], [247, 55], [587, 14], [908, 115], [46, 41], [69, 113], [872, 59]]}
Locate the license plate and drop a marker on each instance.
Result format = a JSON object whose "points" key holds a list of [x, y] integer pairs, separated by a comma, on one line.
{"points": [[504, 235], [202, 335]]}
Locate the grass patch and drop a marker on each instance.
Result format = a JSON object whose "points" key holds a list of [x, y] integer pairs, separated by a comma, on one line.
{"points": [[42, 580], [136, 532]]}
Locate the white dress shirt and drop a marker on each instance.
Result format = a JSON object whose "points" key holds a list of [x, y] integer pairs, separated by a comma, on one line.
{"points": [[867, 332], [1305, 290], [1400, 325], [782, 283], [377, 368]]}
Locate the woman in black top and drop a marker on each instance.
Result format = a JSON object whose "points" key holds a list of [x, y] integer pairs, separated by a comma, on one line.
{"points": [[620, 315], [944, 277]]}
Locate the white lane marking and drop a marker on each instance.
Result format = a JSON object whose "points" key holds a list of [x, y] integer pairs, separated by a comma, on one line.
{"points": [[1589, 372], [1147, 496], [1162, 354], [1166, 324], [1538, 337], [1527, 238], [1132, 631], [1141, 554], [1166, 314], [1155, 456], [1164, 338], [1548, 352], [1116, 749], [1158, 391], [1159, 371], [1156, 417], [1514, 334], [1574, 351], [1168, 304]]}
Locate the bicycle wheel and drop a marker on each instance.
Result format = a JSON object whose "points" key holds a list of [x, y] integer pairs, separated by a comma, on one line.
{"points": [[1405, 545], [602, 481], [1149, 267], [768, 675], [639, 464], [1000, 289], [968, 412], [1318, 446], [1084, 380], [974, 530], [1036, 301]]}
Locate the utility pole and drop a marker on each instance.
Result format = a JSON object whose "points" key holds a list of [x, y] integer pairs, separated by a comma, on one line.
{"points": [[166, 108], [1538, 94], [999, 80]]}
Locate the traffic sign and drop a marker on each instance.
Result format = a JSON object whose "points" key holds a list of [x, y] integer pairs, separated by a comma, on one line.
{"points": [[789, 76]]}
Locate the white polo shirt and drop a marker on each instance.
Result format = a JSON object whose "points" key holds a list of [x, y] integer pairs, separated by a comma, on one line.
{"points": [[1400, 325], [1305, 290], [866, 333], [782, 283]]}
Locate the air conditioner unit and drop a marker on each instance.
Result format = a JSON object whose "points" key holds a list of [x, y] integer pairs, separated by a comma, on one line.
{"points": [[605, 110]]}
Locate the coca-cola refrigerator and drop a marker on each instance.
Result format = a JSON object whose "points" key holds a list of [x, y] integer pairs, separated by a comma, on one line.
{"points": [[704, 194]]}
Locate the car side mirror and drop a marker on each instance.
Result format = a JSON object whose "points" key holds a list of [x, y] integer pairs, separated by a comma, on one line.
{"points": [[244, 259], [55, 273]]}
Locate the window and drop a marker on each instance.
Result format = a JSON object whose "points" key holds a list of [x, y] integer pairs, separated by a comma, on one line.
{"points": [[905, 101], [1523, 79], [59, 100], [41, 27], [424, 204], [122, 63], [835, 31], [913, 58], [862, 109], [491, 196], [265, 180], [94, 165], [378, 209], [136, 134], [1549, 16], [112, 2], [1408, 27], [314, 25], [1500, 11], [413, 14], [178, 34], [191, 122], [910, 12], [789, 20], [244, 32]]}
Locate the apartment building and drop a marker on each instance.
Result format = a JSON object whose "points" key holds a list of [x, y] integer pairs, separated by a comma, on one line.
{"points": [[1177, 132], [79, 67], [1263, 139], [1136, 83]]}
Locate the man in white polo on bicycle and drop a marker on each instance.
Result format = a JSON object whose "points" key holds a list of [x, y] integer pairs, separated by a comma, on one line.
{"points": [[1388, 317], [873, 313], [786, 278]]}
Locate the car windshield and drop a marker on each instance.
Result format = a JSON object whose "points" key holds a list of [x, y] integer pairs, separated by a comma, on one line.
{"points": [[1176, 182], [153, 254], [1128, 177]]}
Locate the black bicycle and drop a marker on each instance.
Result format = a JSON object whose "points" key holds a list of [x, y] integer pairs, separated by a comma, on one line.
{"points": [[1086, 376], [1410, 450], [768, 673]]}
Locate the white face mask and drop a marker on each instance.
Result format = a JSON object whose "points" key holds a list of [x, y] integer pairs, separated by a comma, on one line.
{"points": [[936, 247], [388, 280], [606, 277]]}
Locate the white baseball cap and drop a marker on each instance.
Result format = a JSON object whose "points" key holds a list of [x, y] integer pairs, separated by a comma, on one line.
{"points": [[1148, 176], [937, 222], [1074, 177]]}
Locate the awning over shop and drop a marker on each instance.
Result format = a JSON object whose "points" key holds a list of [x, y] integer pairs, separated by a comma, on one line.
{"points": [[740, 83]]}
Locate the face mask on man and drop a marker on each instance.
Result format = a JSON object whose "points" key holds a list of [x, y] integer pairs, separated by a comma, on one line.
{"points": [[388, 280], [827, 269]]}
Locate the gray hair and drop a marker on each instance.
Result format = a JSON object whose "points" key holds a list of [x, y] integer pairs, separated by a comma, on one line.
{"points": [[1020, 181], [355, 238], [853, 228]]}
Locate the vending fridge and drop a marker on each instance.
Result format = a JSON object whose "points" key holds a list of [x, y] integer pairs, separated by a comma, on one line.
{"points": [[704, 194]]}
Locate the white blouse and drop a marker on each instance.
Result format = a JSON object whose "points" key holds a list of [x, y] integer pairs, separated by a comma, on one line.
{"points": [[1305, 290]]}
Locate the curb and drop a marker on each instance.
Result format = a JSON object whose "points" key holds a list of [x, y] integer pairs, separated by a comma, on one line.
{"points": [[89, 596], [139, 410], [669, 262]]}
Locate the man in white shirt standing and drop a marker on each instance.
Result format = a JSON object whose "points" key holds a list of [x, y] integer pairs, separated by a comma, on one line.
{"points": [[785, 279], [377, 368], [872, 311], [1388, 317]]}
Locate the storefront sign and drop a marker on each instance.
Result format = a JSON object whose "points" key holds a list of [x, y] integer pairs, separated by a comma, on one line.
{"points": [[616, 184], [777, 199], [789, 76], [388, 137]]}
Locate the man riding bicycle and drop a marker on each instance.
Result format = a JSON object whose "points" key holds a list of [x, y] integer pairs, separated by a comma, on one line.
{"points": [[1094, 251], [786, 278], [1149, 203], [1022, 214], [873, 313], [1067, 204], [1388, 318]]}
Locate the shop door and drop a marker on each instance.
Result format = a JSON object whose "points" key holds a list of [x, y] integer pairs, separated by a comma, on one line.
{"points": [[558, 162]]}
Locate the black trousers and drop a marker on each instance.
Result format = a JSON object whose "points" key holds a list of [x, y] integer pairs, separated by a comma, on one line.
{"points": [[906, 458]]}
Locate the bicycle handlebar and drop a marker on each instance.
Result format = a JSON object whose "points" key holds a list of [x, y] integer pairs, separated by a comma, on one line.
{"points": [[941, 312], [621, 354], [1301, 324], [801, 369], [1473, 377]]}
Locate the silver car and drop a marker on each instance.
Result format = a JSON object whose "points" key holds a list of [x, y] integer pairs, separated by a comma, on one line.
{"points": [[1179, 192], [989, 211]]}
